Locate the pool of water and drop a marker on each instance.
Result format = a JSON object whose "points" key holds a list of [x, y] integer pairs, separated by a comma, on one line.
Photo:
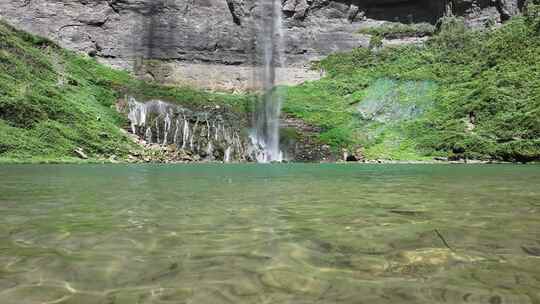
{"points": [[114, 234]]}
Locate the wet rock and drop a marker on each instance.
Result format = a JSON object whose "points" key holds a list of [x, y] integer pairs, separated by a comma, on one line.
{"points": [[174, 133], [299, 141], [135, 153], [439, 158], [80, 153], [351, 158]]}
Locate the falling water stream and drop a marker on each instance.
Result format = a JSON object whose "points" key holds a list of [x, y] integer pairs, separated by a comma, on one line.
{"points": [[270, 45]]}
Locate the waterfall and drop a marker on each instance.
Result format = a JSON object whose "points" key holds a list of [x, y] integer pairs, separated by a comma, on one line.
{"points": [[265, 136], [227, 157], [210, 133]]}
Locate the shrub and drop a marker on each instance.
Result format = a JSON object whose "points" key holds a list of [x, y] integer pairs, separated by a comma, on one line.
{"points": [[375, 42], [395, 30]]}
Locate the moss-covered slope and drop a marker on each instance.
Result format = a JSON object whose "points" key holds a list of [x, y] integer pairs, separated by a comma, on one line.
{"points": [[473, 94], [53, 101]]}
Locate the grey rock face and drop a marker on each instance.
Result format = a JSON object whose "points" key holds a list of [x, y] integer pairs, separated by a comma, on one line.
{"points": [[213, 133], [129, 33], [477, 12]]}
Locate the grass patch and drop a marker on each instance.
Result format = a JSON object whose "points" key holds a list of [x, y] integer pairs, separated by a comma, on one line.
{"points": [[482, 99], [396, 30], [53, 101]]}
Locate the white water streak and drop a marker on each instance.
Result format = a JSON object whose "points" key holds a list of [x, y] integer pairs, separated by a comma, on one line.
{"points": [[265, 137]]}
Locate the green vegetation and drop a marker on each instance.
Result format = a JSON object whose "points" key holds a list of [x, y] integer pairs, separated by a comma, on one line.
{"points": [[464, 94], [182, 94], [394, 30], [375, 42], [53, 101], [481, 95]]}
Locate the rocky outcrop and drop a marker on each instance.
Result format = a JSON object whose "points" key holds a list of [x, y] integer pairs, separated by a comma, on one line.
{"points": [[300, 142], [478, 12], [169, 132], [164, 39], [210, 133]]}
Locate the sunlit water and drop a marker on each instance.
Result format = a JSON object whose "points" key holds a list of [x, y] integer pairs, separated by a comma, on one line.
{"points": [[116, 234]]}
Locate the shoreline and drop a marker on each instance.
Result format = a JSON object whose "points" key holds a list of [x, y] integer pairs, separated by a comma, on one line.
{"points": [[90, 161]]}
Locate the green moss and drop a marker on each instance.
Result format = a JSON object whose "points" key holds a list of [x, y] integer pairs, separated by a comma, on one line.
{"points": [[482, 101], [392, 145], [187, 95], [53, 101]]}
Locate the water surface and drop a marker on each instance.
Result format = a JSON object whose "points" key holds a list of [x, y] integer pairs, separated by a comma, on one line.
{"points": [[114, 234]]}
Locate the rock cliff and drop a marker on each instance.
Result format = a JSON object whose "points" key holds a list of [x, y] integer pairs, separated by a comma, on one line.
{"points": [[210, 43]]}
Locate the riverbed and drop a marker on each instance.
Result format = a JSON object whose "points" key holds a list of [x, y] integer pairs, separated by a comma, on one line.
{"points": [[288, 233]]}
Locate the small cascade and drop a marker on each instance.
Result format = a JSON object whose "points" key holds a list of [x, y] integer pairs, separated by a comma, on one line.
{"points": [[210, 151], [227, 157], [147, 135], [270, 45], [210, 134]]}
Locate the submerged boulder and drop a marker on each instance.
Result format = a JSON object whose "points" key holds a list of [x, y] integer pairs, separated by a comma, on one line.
{"points": [[427, 260]]}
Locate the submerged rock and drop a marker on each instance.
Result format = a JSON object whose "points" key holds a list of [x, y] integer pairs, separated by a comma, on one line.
{"points": [[427, 260], [294, 282], [534, 251]]}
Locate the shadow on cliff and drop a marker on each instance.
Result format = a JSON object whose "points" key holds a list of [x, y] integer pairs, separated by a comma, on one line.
{"points": [[405, 11], [157, 38]]}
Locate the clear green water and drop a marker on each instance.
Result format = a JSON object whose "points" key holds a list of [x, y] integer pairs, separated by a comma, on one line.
{"points": [[269, 234]]}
